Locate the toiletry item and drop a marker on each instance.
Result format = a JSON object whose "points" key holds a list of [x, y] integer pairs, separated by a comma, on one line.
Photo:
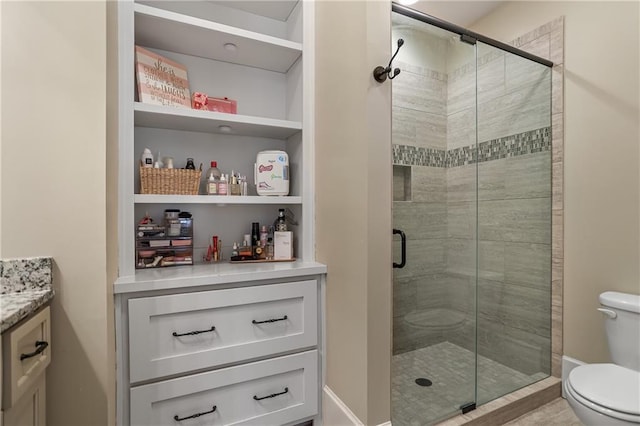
{"points": [[190, 164], [147, 158], [215, 248], [172, 222], [222, 185], [234, 251], [271, 173], [269, 249], [212, 179], [245, 249], [168, 162], [234, 185], [281, 222], [255, 234], [263, 235], [283, 245], [243, 188]]}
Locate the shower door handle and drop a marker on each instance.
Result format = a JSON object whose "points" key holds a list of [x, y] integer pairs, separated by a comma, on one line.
{"points": [[403, 249]]}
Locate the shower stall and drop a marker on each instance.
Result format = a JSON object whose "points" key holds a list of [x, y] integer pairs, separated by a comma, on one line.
{"points": [[471, 139]]}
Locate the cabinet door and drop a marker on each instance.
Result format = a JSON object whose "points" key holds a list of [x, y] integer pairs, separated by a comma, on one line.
{"points": [[186, 332], [30, 409], [272, 392], [26, 355]]}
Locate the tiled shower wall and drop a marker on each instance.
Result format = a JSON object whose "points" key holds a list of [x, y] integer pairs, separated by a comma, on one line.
{"points": [[439, 211], [419, 141]]}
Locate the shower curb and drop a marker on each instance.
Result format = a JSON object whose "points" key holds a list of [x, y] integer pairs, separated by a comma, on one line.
{"points": [[511, 406]]}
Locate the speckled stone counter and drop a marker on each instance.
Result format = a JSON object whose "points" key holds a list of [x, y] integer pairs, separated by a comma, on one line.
{"points": [[25, 285]]}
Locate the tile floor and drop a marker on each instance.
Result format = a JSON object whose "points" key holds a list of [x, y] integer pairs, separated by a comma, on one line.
{"points": [[453, 377]]}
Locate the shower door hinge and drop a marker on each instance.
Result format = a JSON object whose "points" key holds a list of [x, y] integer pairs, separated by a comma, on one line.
{"points": [[467, 39], [468, 407]]}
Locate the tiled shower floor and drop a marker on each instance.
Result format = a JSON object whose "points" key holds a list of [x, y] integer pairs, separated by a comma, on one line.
{"points": [[452, 371]]}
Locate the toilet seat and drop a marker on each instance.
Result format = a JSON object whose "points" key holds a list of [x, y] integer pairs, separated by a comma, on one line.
{"points": [[608, 389]]}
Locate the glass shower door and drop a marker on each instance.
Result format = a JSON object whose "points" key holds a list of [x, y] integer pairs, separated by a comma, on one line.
{"points": [[514, 222], [435, 204]]}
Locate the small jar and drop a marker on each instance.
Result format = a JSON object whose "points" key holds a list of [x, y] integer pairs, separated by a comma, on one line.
{"points": [[172, 222]]}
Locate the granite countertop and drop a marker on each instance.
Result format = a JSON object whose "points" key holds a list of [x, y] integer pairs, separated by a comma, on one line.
{"points": [[25, 286]]}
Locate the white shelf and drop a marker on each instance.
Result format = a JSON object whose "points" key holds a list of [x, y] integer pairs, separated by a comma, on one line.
{"points": [[215, 199], [161, 29], [193, 120], [280, 10]]}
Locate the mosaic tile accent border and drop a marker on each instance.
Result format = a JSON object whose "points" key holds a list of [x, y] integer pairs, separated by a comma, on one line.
{"points": [[530, 142], [406, 155]]}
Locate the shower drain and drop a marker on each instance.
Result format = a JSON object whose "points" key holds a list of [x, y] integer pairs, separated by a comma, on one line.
{"points": [[421, 381]]}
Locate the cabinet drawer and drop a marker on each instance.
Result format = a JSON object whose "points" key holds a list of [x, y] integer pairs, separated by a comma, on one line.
{"points": [[30, 341], [185, 332], [271, 392]]}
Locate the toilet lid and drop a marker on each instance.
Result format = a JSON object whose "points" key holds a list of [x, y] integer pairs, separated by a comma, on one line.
{"points": [[609, 386]]}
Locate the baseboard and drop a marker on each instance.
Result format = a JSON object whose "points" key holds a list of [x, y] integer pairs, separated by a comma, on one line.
{"points": [[568, 364], [336, 413]]}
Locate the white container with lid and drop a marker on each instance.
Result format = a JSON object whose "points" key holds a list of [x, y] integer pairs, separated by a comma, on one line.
{"points": [[271, 173]]}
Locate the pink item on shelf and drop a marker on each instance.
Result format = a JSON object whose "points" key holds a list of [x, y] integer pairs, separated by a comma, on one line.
{"points": [[199, 100], [226, 105]]}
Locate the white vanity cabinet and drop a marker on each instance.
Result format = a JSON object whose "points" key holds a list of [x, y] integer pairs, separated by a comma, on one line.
{"points": [[249, 348], [26, 354]]}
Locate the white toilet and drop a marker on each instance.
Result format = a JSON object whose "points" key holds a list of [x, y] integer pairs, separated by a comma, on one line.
{"points": [[609, 394]]}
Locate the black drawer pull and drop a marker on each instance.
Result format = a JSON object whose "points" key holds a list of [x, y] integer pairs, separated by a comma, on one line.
{"points": [[273, 395], [193, 416], [284, 318], [40, 347], [193, 333]]}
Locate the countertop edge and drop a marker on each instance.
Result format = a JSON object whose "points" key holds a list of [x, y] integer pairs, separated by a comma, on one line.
{"points": [[36, 299], [203, 275]]}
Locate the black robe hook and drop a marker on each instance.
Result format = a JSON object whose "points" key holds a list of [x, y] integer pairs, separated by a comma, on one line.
{"points": [[380, 73]]}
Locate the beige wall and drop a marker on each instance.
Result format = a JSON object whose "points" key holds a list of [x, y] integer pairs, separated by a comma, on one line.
{"points": [[353, 200], [601, 154], [53, 189]]}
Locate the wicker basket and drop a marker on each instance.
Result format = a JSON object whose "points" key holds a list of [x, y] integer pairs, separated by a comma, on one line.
{"points": [[169, 181]]}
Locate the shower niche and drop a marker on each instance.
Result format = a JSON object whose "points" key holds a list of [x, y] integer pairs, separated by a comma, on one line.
{"points": [[401, 183], [471, 142]]}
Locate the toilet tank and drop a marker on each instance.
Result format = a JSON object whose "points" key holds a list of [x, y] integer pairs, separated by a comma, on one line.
{"points": [[623, 331]]}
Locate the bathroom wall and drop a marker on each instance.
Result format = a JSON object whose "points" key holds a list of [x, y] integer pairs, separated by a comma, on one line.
{"points": [[601, 167], [353, 196], [53, 190]]}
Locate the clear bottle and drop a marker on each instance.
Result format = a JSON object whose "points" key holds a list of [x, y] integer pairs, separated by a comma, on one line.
{"points": [[212, 179], [222, 185], [281, 223], [264, 234], [269, 249]]}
